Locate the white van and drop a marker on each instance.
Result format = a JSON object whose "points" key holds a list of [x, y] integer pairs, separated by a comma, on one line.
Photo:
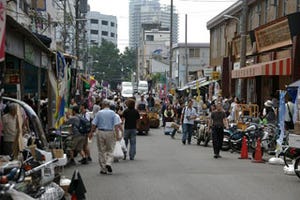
{"points": [[126, 89], [142, 87]]}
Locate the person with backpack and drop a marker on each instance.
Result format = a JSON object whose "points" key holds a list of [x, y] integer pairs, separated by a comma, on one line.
{"points": [[78, 139], [86, 115]]}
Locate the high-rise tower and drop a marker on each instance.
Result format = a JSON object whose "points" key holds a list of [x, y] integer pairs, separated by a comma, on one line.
{"points": [[149, 11]]}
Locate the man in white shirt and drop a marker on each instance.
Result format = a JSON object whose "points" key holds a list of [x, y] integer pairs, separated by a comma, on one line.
{"points": [[189, 114]]}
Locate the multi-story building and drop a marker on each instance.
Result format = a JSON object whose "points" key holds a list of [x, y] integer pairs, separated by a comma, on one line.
{"points": [[190, 61], [100, 26], [147, 12], [272, 45], [154, 44]]}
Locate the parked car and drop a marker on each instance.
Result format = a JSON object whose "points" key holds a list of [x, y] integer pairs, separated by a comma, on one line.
{"points": [[142, 87]]}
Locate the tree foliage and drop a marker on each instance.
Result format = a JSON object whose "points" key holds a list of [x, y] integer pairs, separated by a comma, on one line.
{"points": [[111, 63]]}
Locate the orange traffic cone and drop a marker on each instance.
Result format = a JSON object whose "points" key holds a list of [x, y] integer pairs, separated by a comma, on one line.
{"points": [[244, 150], [258, 153]]}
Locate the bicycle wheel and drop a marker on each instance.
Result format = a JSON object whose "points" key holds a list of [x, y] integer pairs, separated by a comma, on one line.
{"points": [[297, 166], [287, 158], [225, 144]]}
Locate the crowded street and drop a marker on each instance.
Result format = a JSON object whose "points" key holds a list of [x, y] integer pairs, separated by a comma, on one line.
{"points": [[166, 169], [149, 99]]}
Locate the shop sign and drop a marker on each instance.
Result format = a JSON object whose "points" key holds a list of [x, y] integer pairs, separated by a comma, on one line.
{"points": [[207, 71], [14, 44], [273, 36], [32, 55], [12, 77], [215, 75]]}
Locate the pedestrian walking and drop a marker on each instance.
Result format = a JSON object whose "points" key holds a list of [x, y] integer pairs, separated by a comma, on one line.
{"points": [[106, 124], [78, 139], [10, 130], [130, 115], [189, 114], [86, 115], [216, 124]]}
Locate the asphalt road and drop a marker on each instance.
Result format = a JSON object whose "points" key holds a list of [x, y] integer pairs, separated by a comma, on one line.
{"points": [[164, 169]]}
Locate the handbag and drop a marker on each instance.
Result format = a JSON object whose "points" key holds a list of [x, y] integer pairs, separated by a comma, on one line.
{"points": [[118, 153]]}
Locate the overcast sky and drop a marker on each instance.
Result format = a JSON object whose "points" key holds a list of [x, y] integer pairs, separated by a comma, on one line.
{"points": [[198, 12]]}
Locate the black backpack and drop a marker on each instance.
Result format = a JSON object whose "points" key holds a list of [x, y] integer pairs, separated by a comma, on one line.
{"points": [[84, 125]]}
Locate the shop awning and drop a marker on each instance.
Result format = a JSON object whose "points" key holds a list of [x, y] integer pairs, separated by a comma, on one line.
{"points": [[281, 67], [204, 84]]}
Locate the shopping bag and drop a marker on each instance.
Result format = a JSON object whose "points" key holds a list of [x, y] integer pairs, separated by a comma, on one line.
{"points": [[118, 153], [179, 129], [123, 145]]}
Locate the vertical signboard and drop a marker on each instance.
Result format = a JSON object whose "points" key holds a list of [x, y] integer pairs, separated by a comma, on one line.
{"points": [[2, 29]]}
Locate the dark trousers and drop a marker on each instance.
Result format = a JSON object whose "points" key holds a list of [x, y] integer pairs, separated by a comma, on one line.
{"points": [[217, 138]]}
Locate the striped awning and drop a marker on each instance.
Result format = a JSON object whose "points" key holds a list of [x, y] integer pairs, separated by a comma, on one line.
{"points": [[281, 67]]}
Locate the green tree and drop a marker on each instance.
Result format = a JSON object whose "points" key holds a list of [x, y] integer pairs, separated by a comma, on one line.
{"points": [[108, 67], [128, 60]]}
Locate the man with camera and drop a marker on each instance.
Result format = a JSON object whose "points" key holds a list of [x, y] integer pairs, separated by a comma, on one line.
{"points": [[189, 114]]}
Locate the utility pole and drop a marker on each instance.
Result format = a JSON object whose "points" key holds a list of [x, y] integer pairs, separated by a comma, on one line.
{"points": [[65, 26], [243, 50], [171, 40], [186, 53], [77, 32]]}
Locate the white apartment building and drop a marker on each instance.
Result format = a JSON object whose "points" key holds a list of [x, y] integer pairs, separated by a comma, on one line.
{"points": [[149, 11], [155, 45], [100, 26], [193, 59]]}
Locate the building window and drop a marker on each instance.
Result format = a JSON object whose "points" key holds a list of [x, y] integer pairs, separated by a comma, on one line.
{"points": [[112, 24], [149, 37], [266, 11], [258, 11], [284, 8], [194, 53], [112, 34], [104, 33], [94, 21], [95, 32], [103, 22]]}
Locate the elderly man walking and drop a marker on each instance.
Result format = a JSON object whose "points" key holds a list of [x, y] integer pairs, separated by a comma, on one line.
{"points": [[10, 129], [106, 124]]}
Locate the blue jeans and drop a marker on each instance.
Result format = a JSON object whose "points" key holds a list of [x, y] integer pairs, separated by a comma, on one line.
{"points": [[130, 134], [187, 131]]}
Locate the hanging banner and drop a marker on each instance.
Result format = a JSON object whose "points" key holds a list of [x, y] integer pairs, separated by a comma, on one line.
{"points": [[2, 29], [281, 115]]}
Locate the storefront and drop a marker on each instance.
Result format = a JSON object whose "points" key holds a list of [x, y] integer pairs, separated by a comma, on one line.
{"points": [[269, 64], [27, 60]]}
